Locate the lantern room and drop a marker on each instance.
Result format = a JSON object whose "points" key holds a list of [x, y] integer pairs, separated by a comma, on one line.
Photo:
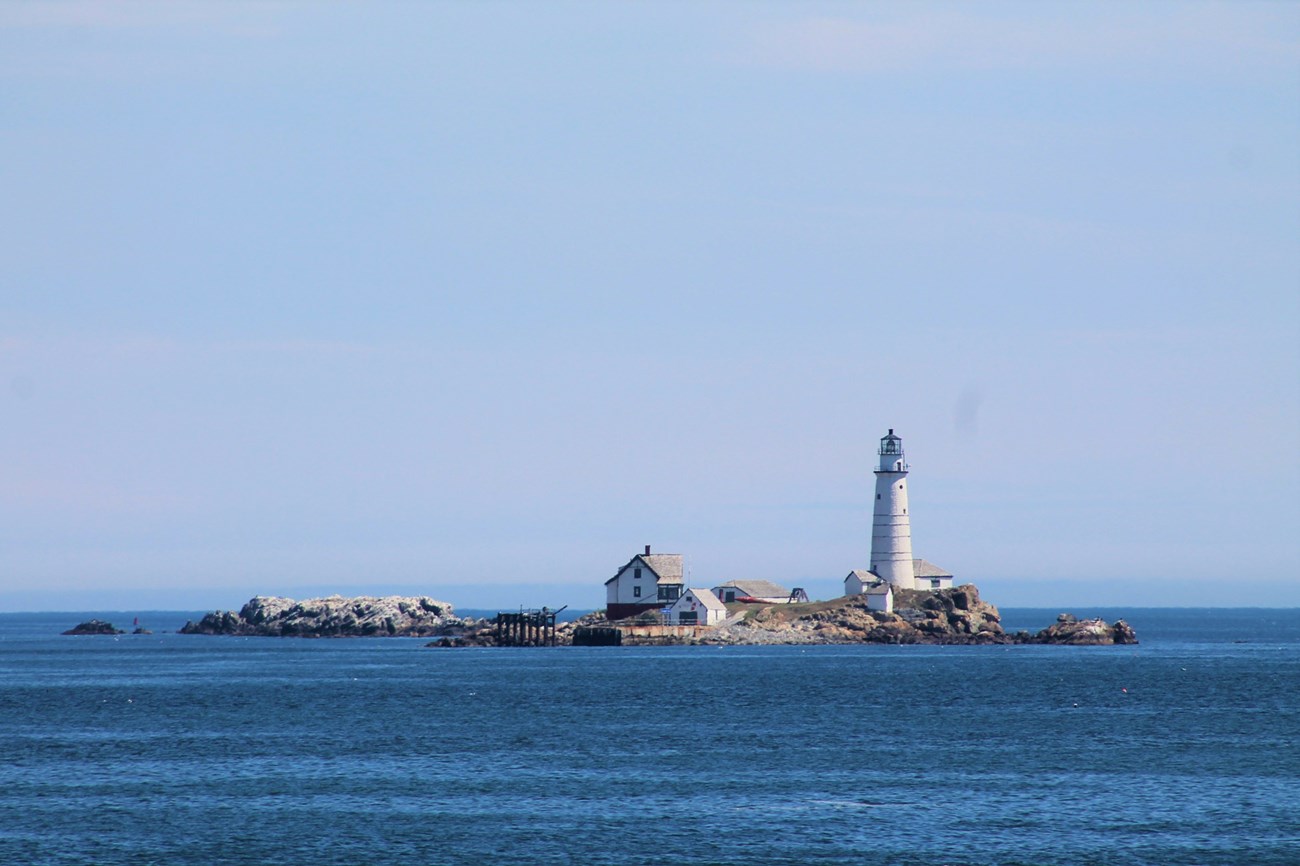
{"points": [[891, 453]]}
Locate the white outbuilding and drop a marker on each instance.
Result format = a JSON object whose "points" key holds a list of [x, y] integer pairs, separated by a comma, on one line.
{"points": [[880, 596], [927, 575], [697, 607], [879, 592], [858, 581]]}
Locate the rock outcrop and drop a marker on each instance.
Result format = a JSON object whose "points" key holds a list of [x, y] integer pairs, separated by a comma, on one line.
{"points": [[947, 616], [94, 626], [335, 616], [1070, 630]]}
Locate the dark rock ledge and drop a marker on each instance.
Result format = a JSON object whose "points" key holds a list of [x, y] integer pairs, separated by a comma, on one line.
{"points": [[94, 626]]}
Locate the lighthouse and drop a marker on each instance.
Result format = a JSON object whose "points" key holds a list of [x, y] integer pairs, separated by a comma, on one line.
{"points": [[891, 533]]}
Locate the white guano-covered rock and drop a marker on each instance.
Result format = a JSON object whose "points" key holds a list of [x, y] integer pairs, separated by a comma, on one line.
{"points": [[332, 616]]}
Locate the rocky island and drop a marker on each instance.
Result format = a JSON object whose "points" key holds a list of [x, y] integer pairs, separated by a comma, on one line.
{"points": [[947, 616], [334, 616]]}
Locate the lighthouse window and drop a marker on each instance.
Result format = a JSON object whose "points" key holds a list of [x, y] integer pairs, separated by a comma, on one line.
{"points": [[877, 495]]}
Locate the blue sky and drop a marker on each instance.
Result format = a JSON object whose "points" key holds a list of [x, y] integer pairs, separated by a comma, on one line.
{"points": [[476, 299]]}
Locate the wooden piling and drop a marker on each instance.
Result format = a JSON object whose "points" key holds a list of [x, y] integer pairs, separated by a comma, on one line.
{"points": [[525, 628]]}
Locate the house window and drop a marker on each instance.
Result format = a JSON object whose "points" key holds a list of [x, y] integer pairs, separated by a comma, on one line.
{"points": [[730, 595], [636, 573], [688, 617], [636, 592], [669, 593], [934, 583]]}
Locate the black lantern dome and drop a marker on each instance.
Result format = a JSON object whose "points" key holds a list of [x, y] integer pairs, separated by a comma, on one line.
{"points": [[891, 444]]}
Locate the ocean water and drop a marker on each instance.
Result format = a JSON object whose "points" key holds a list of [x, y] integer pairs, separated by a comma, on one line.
{"points": [[173, 749]]}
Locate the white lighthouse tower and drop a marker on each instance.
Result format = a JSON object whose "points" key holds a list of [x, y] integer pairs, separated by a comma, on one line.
{"points": [[891, 533]]}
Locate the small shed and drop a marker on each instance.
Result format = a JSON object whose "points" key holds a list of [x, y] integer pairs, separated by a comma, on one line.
{"points": [[880, 596], [697, 607], [858, 580], [752, 590]]}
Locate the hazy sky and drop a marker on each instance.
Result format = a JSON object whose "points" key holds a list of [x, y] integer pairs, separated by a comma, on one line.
{"points": [[476, 299]]}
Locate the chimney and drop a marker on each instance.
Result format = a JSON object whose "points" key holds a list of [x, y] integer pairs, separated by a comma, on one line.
{"points": [[647, 550]]}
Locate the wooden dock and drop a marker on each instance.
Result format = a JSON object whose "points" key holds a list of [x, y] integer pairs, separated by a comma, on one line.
{"points": [[526, 627]]}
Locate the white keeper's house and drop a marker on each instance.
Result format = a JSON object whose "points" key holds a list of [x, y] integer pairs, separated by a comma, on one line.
{"points": [[649, 581]]}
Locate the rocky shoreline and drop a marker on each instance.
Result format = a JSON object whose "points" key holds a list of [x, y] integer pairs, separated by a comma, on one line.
{"points": [[956, 616]]}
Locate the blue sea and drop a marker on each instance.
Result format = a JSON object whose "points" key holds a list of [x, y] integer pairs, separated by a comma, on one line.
{"points": [[173, 749]]}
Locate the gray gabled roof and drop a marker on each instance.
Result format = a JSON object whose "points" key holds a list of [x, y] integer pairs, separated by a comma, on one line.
{"points": [[706, 598], [758, 588], [921, 568], [666, 567], [872, 583]]}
